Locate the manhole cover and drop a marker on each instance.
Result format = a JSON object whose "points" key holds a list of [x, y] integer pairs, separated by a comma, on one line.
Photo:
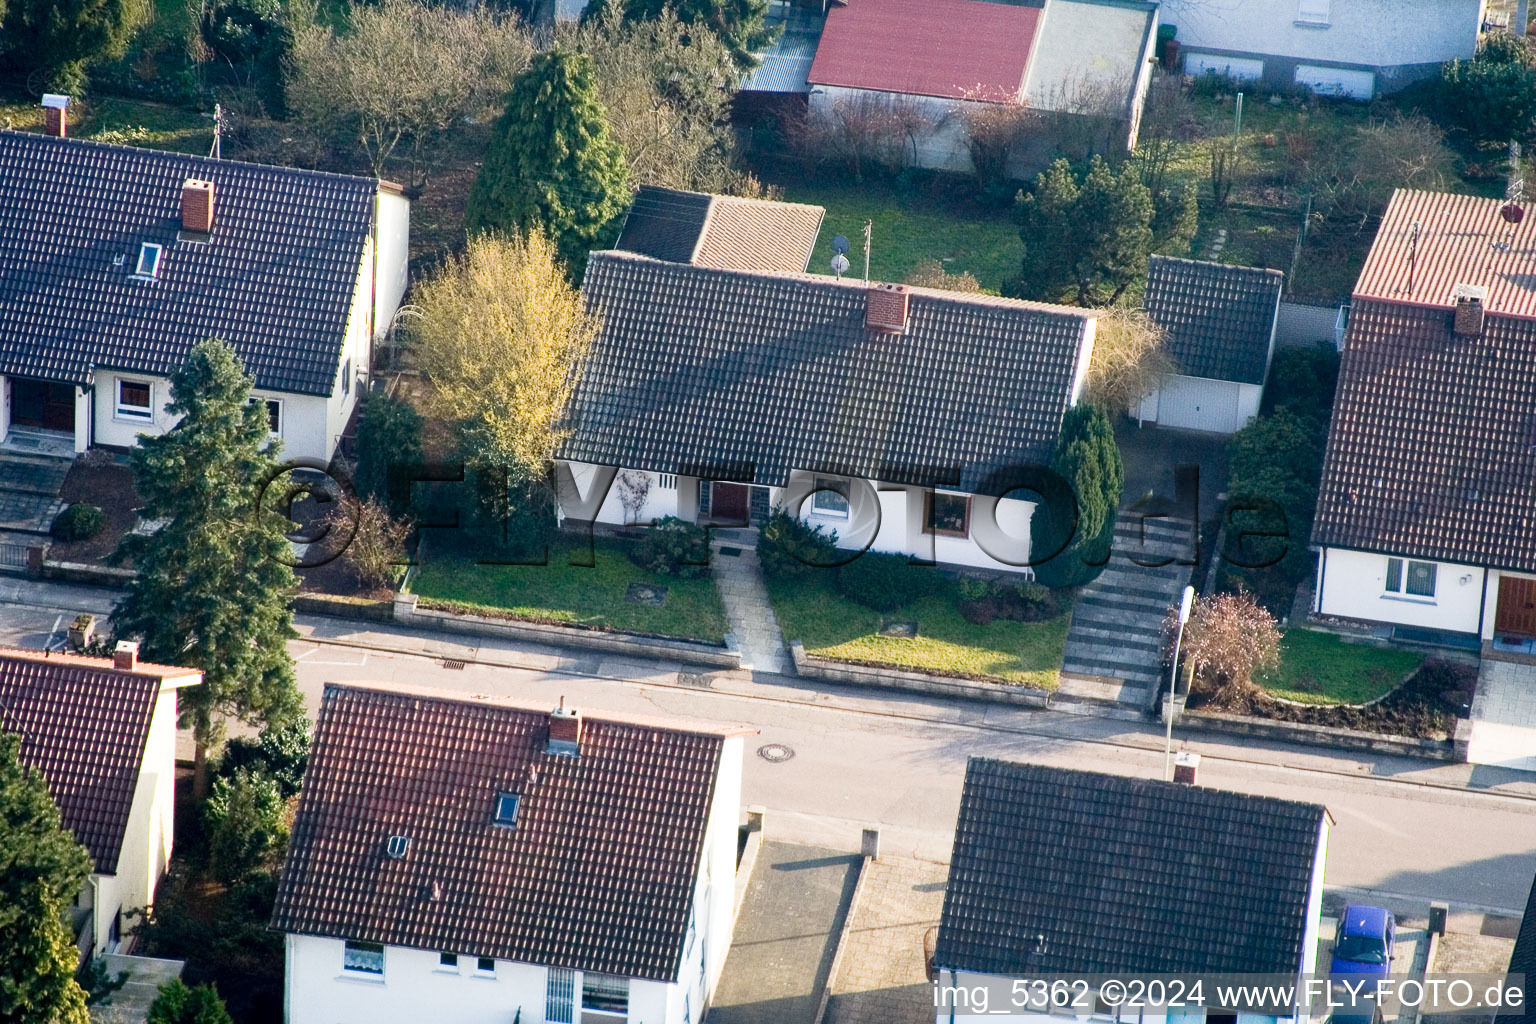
{"points": [[902, 629], [775, 752], [698, 680], [646, 593]]}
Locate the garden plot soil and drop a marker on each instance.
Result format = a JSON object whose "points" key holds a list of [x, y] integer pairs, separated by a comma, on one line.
{"points": [[109, 486], [1424, 707]]}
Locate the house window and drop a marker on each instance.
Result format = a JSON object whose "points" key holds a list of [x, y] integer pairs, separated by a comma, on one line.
{"points": [[133, 400], [274, 415], [485, 965], [364, 958], [346, 377], [1416, 579], [448, 962], [828, 502], [1313, 12], [560, 996], [506, 809], [149, 261], [604, 999], [667, 481], [947, 514]]}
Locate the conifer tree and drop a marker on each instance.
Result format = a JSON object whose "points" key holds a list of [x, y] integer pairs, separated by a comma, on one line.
{"points": [[56, 39], [1085, 240], [1088, 458], [552, 163], [213, 584], [739, 24]]}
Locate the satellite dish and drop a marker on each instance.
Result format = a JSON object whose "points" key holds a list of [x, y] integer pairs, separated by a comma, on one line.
{"points": [[1513, 213], [839, 264], [840, 244]]}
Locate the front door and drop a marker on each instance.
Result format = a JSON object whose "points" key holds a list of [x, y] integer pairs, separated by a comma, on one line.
{"points": [[40, 403], [728, 503], [1517, 607]]}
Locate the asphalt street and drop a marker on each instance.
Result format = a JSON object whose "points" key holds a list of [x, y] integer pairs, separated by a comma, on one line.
{"points": [[1406, 831]]}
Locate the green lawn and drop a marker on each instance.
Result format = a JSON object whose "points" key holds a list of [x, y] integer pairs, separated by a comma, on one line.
{"points": [[810, 609], [124, 121], [560, 592], [1320, 668], [911, 225]]}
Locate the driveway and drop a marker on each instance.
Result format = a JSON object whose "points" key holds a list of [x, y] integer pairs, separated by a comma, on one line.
{"points": [[1504, 713], [1151, 454]]}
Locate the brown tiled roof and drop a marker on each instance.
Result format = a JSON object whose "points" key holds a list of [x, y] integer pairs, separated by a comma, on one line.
{"points": [[83, 725], [598, 874], [728, 232], [1432, 449], [1459, 240]]}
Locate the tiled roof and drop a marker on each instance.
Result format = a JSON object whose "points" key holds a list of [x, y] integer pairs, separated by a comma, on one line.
{"points": [[1523, 958], [598, 874], [83, 725], [275, 278], [1123, 875], [1432, 448], [727, 232], [954, 49], [696, 368], [1430, 242], [1219, 319]]}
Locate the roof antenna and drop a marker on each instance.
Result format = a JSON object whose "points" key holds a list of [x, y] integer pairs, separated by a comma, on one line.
{"points": [[869, 228], [218, 131], [840, 256]]}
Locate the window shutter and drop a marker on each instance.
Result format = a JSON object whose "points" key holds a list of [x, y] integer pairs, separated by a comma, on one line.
{"points": [[1395, 575]]}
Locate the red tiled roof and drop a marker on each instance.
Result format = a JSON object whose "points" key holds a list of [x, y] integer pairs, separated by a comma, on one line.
{"points": [[597, 875], [83, 725], [1461, 240], [955, 49]]}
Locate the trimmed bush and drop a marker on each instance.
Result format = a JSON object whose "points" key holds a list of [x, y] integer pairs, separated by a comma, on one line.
{"points": [[1018, 600], [786, 545], [885, 582], [674, 547], [78, 522]]}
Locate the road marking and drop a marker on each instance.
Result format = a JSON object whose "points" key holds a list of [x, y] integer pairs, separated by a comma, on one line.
{"points": [[1370, 819], [48, 644]]}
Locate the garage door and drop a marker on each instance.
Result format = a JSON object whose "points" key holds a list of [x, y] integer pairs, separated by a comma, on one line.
{"points": [[1360, 85], [1241, 68], [1195, 403]]}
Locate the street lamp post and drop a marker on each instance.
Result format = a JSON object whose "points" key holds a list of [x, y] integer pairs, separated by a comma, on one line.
{"points": [[1173, 680]]}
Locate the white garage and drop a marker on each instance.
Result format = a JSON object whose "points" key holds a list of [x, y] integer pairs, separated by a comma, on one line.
{"points": [[1220, 331], [1350, 82]]}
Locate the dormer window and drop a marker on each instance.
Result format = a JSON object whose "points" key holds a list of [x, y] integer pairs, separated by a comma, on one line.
{"points": [[506, 809], [149, 261]]}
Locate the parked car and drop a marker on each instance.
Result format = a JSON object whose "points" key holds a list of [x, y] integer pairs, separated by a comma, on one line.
{"points": [[1364, 942]]}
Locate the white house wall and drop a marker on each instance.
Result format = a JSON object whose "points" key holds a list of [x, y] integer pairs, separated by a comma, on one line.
{"points": [[392, 229], [1353, 586], [415, 988], [1370, 34]]}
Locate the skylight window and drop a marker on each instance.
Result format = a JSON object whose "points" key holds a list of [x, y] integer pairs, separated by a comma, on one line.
{"points": [[506, 809], [149, 260]]}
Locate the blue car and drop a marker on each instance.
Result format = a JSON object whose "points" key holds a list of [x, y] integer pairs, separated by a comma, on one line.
{"points": [[1364, 942]]}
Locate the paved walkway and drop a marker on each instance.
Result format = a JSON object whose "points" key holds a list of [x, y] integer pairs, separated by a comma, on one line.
{"points": [[884, 979], [786, 935], [1115, 644], [1504, 713], [754, 629], [29, 489]]}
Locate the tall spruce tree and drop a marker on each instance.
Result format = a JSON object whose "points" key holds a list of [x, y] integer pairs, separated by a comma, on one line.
{"points": [[42, 869], [213, 584], [1088, 458], [552, 163], [54, 40]]}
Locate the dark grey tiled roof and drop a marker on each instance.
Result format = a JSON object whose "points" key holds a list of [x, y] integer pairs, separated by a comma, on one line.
{"points": [[664, 223], [1122, 875], [1432, 448], [1523, 959], [1219, 319], [275, 279], [697, 368], [598, 873]]}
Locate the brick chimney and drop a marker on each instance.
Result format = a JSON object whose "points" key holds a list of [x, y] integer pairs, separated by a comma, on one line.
{"points": [[564, 731], [1470, 302], [1185, 767], [125, 656], [885, 308], [197, 205], [55, 114]]}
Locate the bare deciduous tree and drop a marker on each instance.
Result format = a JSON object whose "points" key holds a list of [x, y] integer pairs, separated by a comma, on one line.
{"points": [[378, 540], [1128, 361], [863, 131], [1357, 180], [1087, 115], [1229, 638], [995, 133], [1168, 122], [403, 77], [1229, 162]]}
